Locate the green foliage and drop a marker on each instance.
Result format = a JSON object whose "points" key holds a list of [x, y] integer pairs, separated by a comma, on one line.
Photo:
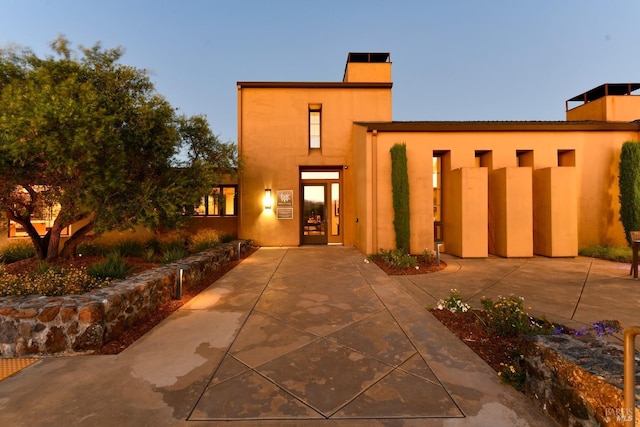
{"points": [[113, 267], [226, 238], [49, 282], [171, 241], [610, 253], [396, 258], [629, 183], [506, 315], [205, 239], [43, 268], [92, 249], [130, 248], [454, 303], [149, 255], [429, 256], [400, 189], [83, 132], [174, 253], [16, 251], [513, 374]]}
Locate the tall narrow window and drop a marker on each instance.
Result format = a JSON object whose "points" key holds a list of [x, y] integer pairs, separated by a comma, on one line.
{"points": [[437, 198], [314, 127]]}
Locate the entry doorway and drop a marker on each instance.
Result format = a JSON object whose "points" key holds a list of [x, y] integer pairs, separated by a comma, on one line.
{"points": [[320, 207], [314, 214]]}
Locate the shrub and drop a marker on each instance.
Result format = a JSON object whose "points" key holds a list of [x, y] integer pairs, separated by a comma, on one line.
{"points": [[506, 315], [49, 282], [453, 303], [629, 184], [397, 258], [205, 239], [429, 256], [149, 255], [610, 253], [130, 248], [171, 241], [400, 192], [16, 251], [173, 254], [114, 267], [513, 374], [92, 249], [226, 238]]}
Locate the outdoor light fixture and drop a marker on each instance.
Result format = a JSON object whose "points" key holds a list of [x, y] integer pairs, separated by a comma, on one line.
{"points": [[179, 281], [267, 201]]}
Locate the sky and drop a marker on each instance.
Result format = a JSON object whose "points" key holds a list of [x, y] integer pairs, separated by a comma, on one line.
{"points": [[452, 60]]}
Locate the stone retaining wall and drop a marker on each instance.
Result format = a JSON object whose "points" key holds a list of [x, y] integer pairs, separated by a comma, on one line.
{"points": [[578, 382], [37, 325]]}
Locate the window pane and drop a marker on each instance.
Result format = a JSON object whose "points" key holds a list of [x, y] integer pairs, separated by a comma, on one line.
{"points": [[214, 202], [229, 200], [320, 175], [314, 129], [200, 209], [335, 214]]}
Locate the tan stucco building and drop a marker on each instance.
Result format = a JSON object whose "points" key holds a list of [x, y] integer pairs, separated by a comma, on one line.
{"points": [[317, 170]]}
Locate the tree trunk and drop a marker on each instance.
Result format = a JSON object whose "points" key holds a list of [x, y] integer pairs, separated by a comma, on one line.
{"points": [[69, 248], [54, 243], [40, 244]]}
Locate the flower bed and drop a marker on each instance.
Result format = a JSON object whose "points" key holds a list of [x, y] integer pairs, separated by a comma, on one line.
{"points": [[37, 325]]}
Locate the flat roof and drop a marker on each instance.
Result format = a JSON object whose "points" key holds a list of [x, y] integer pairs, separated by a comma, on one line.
{"points": [[316, 85], [499, 126]]}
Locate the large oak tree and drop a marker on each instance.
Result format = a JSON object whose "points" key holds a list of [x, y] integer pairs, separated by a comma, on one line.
{"points": [[80, 130]]}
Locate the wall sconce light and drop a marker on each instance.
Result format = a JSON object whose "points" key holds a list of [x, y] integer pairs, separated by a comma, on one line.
{"points": [[267, 201]]}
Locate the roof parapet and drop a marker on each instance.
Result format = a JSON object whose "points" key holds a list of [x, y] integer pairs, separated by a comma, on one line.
{"points": [[367, 67]]}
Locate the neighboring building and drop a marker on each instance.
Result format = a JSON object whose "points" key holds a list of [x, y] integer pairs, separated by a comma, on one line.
{"points": [[319, 152]]}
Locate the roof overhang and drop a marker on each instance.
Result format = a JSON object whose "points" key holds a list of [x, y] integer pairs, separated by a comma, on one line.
{"points": [[498, 126], [314, 85]]}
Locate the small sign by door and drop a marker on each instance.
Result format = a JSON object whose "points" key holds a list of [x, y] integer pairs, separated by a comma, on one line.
{"points": [[284, 204]]}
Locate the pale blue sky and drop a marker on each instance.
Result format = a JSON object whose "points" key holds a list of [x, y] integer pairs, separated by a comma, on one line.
{"points": [[452, 60]]}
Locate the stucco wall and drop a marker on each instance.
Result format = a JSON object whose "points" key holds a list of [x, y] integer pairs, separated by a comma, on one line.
{"points": [[274, 144], [592, 155], [609, 108], [554, 212], [511, 212], [466, 216]]}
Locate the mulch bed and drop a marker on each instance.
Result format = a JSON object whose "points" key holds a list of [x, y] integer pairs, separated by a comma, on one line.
{"points": [[492, 348], [423, 268]]}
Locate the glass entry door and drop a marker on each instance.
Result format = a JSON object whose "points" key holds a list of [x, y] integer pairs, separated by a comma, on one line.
{"points": [[314, 214]]}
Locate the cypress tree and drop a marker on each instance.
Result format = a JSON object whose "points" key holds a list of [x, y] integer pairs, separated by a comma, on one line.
{"points": [[629, 183], [400, 189]]}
